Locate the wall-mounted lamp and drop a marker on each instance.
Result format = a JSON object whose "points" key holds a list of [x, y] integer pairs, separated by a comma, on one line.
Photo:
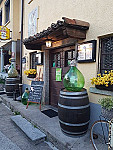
{"points": [[48, 43]]}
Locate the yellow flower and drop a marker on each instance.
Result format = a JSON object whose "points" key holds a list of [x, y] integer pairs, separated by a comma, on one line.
{"points": [[105, 79], [99, 74], [30, 71]]}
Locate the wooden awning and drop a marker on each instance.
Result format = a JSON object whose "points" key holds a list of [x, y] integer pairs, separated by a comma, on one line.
{"points": [[68, 28]]}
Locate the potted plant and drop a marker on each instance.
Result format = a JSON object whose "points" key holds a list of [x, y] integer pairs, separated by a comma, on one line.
{"points": [[106, 107], [31, 73], [104, 81]]}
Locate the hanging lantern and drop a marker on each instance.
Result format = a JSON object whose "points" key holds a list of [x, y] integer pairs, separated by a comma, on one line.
{"points": [[48, 43]]}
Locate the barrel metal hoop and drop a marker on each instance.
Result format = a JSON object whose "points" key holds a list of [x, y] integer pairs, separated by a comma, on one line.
{"points": [[73, 133], [73, 93], [12, 78], [74, 125], [9, 92], [80, 97], [12, 84], [71, 107]]}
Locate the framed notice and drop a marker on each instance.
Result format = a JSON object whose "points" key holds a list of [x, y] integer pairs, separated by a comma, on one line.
{"points": [[58, 74], [87, 51]]}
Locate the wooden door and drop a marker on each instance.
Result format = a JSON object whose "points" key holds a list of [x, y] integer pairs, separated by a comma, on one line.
{"points": [[58, 59]]}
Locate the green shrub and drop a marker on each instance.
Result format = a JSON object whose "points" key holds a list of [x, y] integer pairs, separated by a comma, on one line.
{"points": [[106, 103]]}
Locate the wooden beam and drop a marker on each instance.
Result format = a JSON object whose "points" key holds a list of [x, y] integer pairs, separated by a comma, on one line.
{"points": [[33, 46], [78, 34]]}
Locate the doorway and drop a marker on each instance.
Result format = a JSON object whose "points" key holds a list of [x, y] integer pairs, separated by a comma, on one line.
{"points": [[59, 58]]}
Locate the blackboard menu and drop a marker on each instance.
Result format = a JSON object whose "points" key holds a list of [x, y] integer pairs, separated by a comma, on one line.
{"points": [[36, 89]]}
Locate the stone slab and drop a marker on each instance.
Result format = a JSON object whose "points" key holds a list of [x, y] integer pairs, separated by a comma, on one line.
{"points": [[7, 144], [32, 132]]}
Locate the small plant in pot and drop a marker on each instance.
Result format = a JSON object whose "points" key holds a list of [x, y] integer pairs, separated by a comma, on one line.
{"points": [[107, 107], [31, 73], [104, 81]]}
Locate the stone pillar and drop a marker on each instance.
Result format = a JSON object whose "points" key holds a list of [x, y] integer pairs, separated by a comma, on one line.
{"points": [[2, 60], [13, 60]]}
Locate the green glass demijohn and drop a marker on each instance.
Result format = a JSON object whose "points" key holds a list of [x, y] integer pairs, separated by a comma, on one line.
{"points": [[73, 79], [25, 96], [12, 73]]}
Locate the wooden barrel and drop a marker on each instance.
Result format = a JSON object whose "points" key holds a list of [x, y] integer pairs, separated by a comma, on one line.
{"points": [[74, 112], [11, 85]]}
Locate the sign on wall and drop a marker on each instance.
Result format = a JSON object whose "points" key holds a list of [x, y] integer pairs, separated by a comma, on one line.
{"points": [[87, 51], [23, 59], [58, 74], [32, 22], [4, 33]]}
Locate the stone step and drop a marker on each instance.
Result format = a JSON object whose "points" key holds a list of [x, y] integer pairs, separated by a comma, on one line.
{"points": [[32, 132], [2, 92], [6, 143]]}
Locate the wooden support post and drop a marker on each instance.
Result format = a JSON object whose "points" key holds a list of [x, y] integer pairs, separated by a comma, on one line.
{"points": [[27, 105], [40, 105]]}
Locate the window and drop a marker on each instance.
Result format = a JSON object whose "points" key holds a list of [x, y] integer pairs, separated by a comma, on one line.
{"points": [[56, 60], [7, 10], [1, 17], [69, 56], [106, 54], [63, 58], [36, 59]]}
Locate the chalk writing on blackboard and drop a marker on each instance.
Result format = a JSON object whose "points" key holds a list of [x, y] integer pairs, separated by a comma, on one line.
{"points": [[36, 90], [35, 95]]}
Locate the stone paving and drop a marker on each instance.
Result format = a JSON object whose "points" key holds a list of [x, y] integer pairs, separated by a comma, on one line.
{"points": [[7, 144], [50, 126], [12, 138]]}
